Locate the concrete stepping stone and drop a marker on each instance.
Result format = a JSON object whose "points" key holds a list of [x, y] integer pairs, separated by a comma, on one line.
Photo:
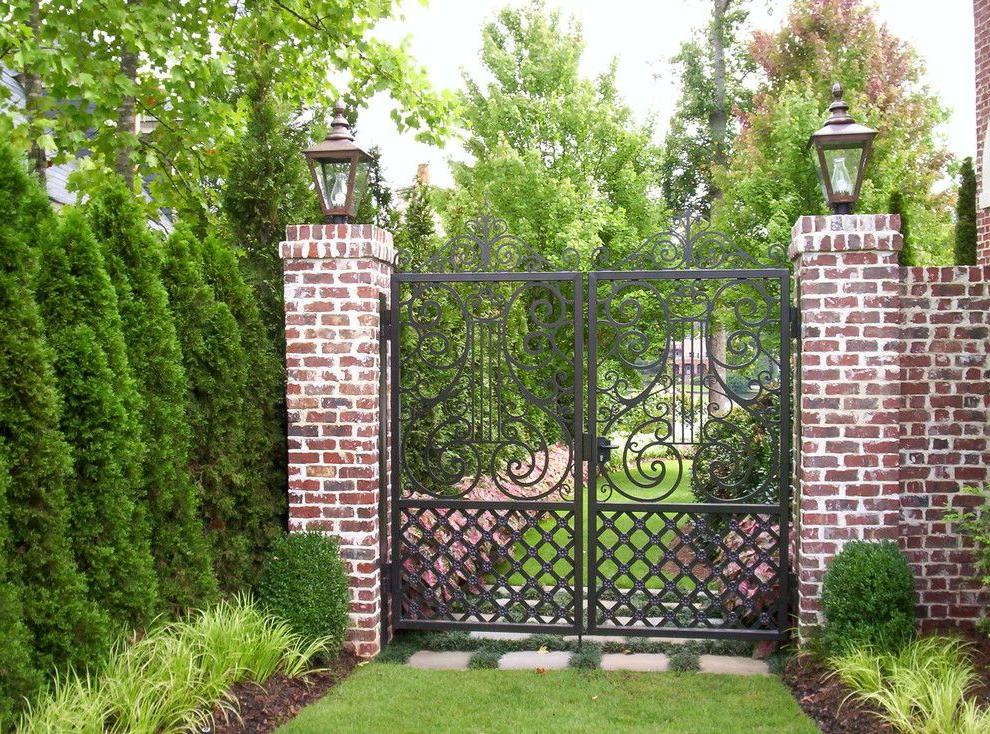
{"points": [[639, 662], [531, 660], [430, 660], [732, 665], [483, 635]]}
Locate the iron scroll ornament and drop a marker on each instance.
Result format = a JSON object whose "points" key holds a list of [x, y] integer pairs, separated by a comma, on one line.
{"points": [[689, 244]]}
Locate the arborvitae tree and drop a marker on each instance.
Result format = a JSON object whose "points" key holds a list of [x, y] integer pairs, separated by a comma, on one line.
{"points": [[133, 259], [906, 257], [965, 242], [264, 417], [416, 236], [217, 366], [267, 187], [376, 206], [100, 412], [67, 628], [20, 678]]}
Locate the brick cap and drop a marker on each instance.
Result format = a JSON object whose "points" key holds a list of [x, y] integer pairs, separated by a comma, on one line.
{"points": [[337, 241], [846, 233]]}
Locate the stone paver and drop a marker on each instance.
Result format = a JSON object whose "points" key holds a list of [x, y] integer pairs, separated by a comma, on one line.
{"points": [[531, 660], [640, 662], [483, 635], [732, 665], [430, 660]]}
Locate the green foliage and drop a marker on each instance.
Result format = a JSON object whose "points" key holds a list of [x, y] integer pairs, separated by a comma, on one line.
{"points": [[684, 661], [237, 508], [267, 187], [304, 582], [770, 179], [416, 237], [735, 459], [263, 412], [556, 155], [376, 206], [965, 239], [906, 257], [921, 689], [20, 678], [100, 412], [975, 524], [172, 678], [484, 659], [195, 58], [713, 68], [868, 597], [587, 657], [65, 626], [133, 259]]}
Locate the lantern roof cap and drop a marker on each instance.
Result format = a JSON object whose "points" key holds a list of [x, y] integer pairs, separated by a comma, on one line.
{"points": [[339, 139], [840, 123]]}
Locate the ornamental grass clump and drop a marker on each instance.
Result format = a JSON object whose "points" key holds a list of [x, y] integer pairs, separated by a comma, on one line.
{"points": [[920, 689], [175, 676]]}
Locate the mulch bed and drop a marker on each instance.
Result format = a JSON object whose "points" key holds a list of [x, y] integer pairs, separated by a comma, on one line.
{"points": [[825, 699], [262, 709]]}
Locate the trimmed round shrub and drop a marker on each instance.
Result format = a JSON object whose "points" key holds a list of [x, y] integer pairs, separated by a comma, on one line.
{"points": [[303, 581], [868, 597]]}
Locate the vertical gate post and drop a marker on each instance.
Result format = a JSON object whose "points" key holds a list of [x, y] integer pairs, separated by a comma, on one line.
{"points": [[847, 449], [335, 275]]}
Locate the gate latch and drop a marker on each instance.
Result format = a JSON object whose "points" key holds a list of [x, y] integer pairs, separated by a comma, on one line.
{"points": [[605, 448]]}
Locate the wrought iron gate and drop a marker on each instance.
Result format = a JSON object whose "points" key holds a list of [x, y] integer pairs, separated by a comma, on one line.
{"points": [[684, 448]]}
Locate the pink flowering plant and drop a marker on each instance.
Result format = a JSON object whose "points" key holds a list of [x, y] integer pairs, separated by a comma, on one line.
{"points": [[746, 568]]}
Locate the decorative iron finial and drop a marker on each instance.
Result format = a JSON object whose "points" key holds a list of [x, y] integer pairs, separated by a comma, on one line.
{"points": [[340, 128], [839, 110]]}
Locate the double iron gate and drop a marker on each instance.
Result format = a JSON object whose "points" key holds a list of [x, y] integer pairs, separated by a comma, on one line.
{"points": [[591, 452]]}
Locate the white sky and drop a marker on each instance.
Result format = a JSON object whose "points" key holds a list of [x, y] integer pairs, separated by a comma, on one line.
{"points": [[445, 38]]}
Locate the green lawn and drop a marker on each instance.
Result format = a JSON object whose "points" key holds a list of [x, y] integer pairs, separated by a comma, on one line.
{"points": [[624, 524], [380, 698]]}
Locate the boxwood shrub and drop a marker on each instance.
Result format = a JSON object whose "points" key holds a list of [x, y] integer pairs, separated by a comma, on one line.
{"points": [[868, 597], [303, 581]]}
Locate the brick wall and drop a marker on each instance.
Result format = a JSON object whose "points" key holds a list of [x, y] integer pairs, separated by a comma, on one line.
{"points": [[981, 18], [892, 420], [944, 431], [333, 277]]}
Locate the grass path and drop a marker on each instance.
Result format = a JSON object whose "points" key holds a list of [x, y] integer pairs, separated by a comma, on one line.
{"points": [[401, 700]]}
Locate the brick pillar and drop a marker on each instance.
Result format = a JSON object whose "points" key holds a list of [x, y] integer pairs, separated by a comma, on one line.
{"points": [[334, 275], [847, 484], [981, 27]]}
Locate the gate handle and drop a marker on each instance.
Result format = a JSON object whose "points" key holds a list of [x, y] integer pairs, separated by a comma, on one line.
{"points": [[605, 450]]}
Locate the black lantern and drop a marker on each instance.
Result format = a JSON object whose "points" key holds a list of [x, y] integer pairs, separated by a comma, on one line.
{"points": [[340, 169], [842, 149]]}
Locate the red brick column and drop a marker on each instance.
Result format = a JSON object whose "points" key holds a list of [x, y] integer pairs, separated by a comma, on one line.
{"points": [[981, 27], [847, 451], [334, 275]]}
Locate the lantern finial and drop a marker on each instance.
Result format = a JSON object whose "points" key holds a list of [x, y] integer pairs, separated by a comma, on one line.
{"points": [[340, 128], [838, 110]]}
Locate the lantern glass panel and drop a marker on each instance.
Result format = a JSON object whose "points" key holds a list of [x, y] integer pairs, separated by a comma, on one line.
{"points": [[360, 183], [332, 179], [843, 165]]}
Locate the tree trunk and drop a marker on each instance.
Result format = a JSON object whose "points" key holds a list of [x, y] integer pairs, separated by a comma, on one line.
{"points": [[718, 117], [33, 93], [126, 120], [716, 358]]}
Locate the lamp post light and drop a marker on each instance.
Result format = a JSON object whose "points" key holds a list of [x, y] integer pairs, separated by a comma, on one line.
{"points": [[842, 150], [340, 170]]}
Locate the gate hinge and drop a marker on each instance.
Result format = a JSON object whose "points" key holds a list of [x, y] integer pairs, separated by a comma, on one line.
{"points": [[795, 326], [386, 323]]}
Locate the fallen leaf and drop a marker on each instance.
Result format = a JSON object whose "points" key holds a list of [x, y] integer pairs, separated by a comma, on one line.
{"points": [[541, 671], [594, 698], [543, 650], [363, 662]]}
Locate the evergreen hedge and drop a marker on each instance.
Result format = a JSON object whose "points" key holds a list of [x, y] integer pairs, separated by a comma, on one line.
{"points": [[20, 678], [134, 259], [100, 419], [237, 514], [66, 627]]}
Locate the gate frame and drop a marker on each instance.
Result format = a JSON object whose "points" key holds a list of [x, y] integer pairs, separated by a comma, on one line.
{"points": [[584, 591]]}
